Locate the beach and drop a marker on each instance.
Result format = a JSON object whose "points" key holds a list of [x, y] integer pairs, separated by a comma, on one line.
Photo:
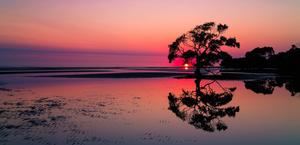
{"points": [[130, 106]]}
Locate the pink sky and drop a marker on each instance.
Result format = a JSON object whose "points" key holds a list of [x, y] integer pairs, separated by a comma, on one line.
{"points": [[143, 26]]}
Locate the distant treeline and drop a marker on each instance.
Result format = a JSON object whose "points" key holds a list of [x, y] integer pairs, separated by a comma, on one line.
{"points": [[265, 57]]}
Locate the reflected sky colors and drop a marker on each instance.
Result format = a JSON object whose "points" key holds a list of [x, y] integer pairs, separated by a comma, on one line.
{"points": [[139, 26], [128, 111]]}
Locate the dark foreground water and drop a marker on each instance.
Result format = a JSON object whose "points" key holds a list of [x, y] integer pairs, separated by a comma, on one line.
{"points": [[135, 111]]}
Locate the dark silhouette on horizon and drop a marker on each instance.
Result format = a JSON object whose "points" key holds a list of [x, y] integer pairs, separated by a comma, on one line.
{"points": [[261, 58]]}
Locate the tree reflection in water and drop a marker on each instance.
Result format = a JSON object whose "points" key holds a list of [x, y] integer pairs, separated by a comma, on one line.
{"points": [[205, 107], [267, 86]]}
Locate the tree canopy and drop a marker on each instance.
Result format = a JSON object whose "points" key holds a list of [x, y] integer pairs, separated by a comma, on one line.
{"points": [[263, 53], [201, 46]]}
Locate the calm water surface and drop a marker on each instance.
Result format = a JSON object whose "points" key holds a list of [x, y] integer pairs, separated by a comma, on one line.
{"points": [[35, 110]]}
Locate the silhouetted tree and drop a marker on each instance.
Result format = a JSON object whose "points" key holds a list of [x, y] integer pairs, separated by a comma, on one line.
{"points": [[201, 46], [263, 53], [287, 61]]}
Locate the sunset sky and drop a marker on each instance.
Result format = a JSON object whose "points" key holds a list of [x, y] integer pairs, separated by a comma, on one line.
{"points": [[133, 32]]}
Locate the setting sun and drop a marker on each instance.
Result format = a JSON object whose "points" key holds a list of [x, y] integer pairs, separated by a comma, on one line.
{"points": [[166, 72], [186, 66]]}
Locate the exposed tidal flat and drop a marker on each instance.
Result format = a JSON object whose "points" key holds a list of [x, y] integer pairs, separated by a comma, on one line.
{"points": [[131, 106], [137, 72]]}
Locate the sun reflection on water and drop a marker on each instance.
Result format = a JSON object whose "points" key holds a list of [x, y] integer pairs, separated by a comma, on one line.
{"points": [[186, 66]]}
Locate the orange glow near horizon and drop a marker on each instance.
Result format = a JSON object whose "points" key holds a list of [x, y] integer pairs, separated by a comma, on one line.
{"points": [[143, 26]]}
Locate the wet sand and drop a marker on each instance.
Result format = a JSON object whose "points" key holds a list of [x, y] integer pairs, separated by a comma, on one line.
{"points": [[131, 72], [223, 76]]}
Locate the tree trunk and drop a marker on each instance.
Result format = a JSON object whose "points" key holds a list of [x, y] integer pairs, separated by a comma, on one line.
{"points": [[197, 69], [198, 77], [197, 72]]}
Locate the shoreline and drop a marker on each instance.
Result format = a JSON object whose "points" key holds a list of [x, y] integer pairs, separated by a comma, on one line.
{"points": [[139, 72]]}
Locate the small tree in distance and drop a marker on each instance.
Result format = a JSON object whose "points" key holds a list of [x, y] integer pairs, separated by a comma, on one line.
{"points": [[202, 46]]}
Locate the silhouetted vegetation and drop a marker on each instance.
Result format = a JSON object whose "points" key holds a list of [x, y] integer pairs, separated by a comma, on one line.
{"points": [[267, 86], [201, 46], [260, 58]]}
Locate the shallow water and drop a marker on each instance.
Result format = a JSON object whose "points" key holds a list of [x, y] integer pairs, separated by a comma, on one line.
{"points": [[41, 110]]}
